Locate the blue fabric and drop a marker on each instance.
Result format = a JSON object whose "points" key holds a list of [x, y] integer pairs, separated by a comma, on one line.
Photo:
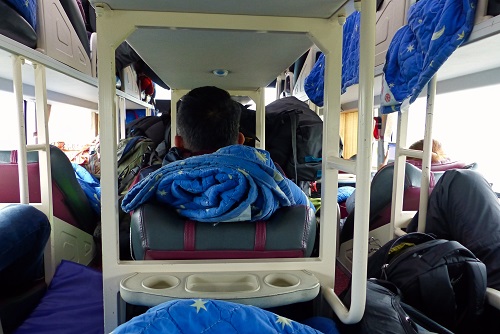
{"points": [[91, 186], [190, 316], [24, 231], [435, 29], [343, 193], [314, 82], [322, 324], [27, 9], [235, 183], [73, 303]]}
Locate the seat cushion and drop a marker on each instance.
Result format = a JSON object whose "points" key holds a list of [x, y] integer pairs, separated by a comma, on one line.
{"points": [[158, 232]]}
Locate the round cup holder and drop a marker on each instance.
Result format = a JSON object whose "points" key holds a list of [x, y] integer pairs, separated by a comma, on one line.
{"points": [[160, 282], [282, 280]]}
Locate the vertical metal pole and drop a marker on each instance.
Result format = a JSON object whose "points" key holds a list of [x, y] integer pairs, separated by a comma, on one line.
{"points": [[45, 166], [364, 161], [109, 180], [17, 62], [427, 154], [260, 119]]}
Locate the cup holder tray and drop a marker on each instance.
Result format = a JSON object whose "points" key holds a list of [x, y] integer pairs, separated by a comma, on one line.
{"points": [[263, 289]]}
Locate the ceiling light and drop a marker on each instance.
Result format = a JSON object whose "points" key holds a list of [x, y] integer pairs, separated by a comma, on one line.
{"points": [[220, 72]]}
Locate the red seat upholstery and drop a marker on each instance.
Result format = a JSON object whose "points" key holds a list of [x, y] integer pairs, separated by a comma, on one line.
{"points": [[69, 201]]}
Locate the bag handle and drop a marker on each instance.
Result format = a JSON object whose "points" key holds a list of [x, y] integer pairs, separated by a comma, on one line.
{"points": [[415, 237]]}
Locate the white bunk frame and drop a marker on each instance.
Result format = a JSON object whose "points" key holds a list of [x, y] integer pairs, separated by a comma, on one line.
{"points": [[114, 26], [36, 76]]}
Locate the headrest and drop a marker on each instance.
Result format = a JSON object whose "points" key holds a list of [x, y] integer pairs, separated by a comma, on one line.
{"points": [[381, 194], [159, 232]]}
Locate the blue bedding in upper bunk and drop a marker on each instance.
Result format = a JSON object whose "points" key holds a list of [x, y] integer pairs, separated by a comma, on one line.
{"points": [[27, 9], [435, 29], [314, 82]]}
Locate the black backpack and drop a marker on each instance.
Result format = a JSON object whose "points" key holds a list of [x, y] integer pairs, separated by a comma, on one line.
{"points": [[385, 313], [294, 137], [156, 128], [441, 278]]}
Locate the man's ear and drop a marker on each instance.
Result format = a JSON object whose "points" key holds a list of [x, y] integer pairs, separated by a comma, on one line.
{"points": [[241, 138], [178, 141]]}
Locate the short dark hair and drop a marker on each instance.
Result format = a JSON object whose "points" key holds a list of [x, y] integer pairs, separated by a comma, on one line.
{"points": [[208, 119]]}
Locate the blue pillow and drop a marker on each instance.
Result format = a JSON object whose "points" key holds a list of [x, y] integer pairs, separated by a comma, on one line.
{"points": [[27, 9]]}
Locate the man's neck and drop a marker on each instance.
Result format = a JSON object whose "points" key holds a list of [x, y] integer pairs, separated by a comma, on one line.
{"points": [[188, 153]]}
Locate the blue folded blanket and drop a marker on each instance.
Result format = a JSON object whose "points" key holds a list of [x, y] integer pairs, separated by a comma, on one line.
{"points": [[314, 82], [236, 183]]}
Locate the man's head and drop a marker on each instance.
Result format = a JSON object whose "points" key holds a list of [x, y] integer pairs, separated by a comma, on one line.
{"points": [[207, 120]]}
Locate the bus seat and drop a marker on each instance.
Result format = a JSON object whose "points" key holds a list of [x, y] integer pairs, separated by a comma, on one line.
{"points": [[159, 232], [381, 192], [70, 203]]}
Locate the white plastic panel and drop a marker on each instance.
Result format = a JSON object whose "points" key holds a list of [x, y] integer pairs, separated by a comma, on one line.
{"points": [[129, 82], [72, 243], [390, 17], [57, 37], [262, 289]]}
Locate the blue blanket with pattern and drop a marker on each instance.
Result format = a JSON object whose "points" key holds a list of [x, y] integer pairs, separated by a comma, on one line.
{"points": [[236, 183], [314, 82], [435, 29], [27, 9], [190, 316]]}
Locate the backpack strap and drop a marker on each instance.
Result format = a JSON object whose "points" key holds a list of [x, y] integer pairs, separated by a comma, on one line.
{"points": [[476, 294], [443, 304], [437, 294]]}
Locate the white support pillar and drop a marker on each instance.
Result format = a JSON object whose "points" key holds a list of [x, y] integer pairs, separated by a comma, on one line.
{"points": [[17, 62], [109, 187], [260, 119], [364, 160], [122, 115], [427, 154], [44, 163]]}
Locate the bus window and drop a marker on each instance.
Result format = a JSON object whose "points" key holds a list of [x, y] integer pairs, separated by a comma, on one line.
{"points": [[466, 126]]}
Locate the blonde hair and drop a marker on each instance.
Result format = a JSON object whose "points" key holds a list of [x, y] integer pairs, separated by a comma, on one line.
{"points": [[438, 155]]}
